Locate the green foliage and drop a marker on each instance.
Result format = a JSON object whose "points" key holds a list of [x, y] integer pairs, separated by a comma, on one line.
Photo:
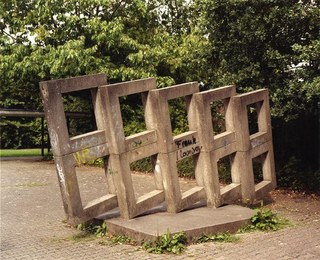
{"points": [[185, 167], [247, 42], [265, 220], [120, 239], [143, 165], [178, 116], [100, 230], [132, 114], [253, 45], [97, 162], [23, 152], [43, 40], [290, 176], [167, 243], [93, 228], [20, 132], [218, 117], [220, 237], [224, 170]]}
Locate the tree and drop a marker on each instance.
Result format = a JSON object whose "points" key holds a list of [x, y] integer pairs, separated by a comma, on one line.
{"points": [[43, 40], [273, 44], [252, 43]]}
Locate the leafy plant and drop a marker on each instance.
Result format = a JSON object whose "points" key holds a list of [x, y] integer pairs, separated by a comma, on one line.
{"points": [[185, 167], [219, 237], [265, 220], [92, 228], [167, 243], [224, 170], [100, 230], [120, 239]]}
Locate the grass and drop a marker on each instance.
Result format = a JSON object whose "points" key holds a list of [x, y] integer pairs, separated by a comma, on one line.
{"points": [[265, 220], [219, 237], [27, 185], [167, 244], [22, 152]]}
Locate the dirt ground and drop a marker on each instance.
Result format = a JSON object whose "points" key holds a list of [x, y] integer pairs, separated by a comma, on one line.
{"points": [[297, 206]]}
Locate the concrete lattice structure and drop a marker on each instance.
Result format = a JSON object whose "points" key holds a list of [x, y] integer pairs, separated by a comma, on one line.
{"points": [[118, 151]]}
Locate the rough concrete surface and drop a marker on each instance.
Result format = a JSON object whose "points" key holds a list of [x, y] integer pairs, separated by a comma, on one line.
{"points": [[194, 223], [32, 222]]}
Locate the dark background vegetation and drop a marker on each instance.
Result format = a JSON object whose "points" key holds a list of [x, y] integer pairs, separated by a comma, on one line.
{"points": [[253, 44]]}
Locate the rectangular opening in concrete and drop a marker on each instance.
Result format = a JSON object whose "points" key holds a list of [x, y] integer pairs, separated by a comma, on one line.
{"points": [[257, 164], [86, 176], [143, 177], [252, 113], [81, 120], [218, 116], [145, 165], [186, 168], [132, 113], [178, 115], [224, 170], [191, 191]]}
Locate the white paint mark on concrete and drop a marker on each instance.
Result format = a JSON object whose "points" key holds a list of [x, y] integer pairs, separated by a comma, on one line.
{"points": [[61, 174], [54, 139], [255, 143], [157, 167]]}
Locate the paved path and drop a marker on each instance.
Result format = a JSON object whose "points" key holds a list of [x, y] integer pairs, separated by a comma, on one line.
{"points": [[32, 223]]}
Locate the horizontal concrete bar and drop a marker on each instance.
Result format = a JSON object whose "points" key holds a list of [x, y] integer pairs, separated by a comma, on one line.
{"points": [[76, 83], [253, 96], [192, 196], [25, 113], [141, 139], [143, 152], [92, 153], [178, 90], [217, 93], [87, 140], [262, 188], [95, 207], [131, 87], [230, 193], [259, 138], [223, 139]]}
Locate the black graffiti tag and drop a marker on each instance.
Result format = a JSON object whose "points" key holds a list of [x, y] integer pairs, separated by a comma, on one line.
{"points": [[183, 154], [184, 143]]}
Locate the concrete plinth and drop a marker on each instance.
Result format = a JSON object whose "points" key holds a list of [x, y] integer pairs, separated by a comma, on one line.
{"points": [[194, 223]]}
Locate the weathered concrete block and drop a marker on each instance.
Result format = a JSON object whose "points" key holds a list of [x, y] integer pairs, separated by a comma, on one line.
{"points": [[118, 141], [201, 118], [53, 107], [157, 141], [158, 109], [194, 223], [71, 197], [186, 144], [240, 102], [207, 176]]}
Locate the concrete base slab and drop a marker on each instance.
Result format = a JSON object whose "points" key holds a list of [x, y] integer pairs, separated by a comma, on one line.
{"points": [[194, 223]]}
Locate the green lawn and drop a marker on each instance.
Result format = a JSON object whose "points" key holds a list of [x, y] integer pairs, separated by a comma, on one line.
{"points": [[22, 152]]}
